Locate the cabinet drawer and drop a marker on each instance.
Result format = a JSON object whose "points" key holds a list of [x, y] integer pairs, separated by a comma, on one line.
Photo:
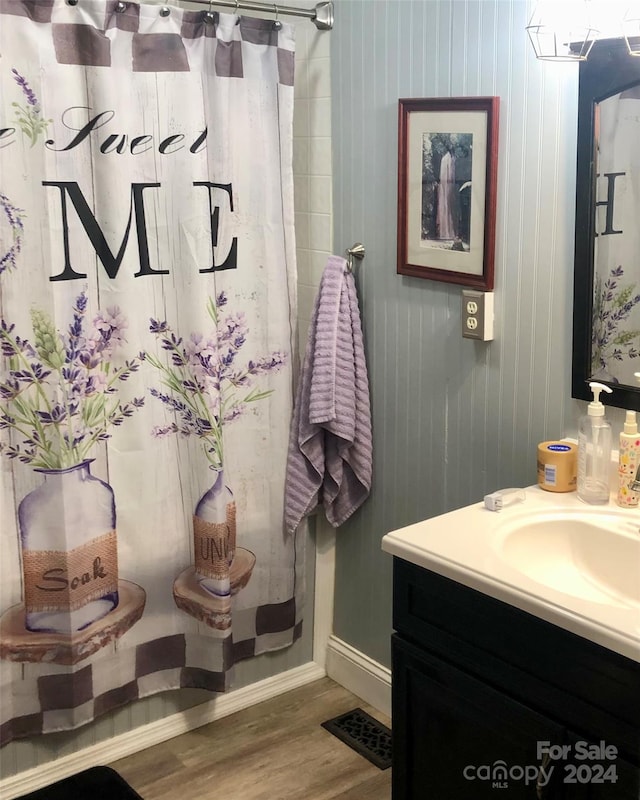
{"points": [[520, 653]]}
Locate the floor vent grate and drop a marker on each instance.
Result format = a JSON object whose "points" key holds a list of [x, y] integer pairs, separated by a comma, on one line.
{"points": [[364, 734]]}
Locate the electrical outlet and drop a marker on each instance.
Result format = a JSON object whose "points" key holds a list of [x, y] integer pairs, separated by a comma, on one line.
{"points": [[477, 315]]}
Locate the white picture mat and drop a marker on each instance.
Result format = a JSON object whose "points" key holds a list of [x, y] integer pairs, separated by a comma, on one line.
{"points": [[419, 252]]}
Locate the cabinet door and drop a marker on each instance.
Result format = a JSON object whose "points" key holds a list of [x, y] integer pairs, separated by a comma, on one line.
{"points": [[592, 770], [454, 737]]}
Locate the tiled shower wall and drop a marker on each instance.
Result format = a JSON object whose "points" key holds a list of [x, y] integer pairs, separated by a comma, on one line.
{"points": [[312, 165], [312, 180]]}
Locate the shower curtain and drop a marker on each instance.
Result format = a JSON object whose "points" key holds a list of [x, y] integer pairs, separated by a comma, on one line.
{"points": [[147, 308]]}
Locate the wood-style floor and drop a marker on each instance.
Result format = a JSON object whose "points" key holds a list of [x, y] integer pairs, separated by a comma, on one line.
{"points": [[275, 750]]}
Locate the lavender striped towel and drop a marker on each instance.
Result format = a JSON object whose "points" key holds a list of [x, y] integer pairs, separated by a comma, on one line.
{"points": [[330, 446]]}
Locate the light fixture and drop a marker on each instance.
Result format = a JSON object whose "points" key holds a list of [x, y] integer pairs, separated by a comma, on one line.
{"points": [[631, 29], [561, 30]]}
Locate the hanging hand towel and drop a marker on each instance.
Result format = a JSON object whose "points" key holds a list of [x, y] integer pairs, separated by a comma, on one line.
{"points": [[330, 447]]}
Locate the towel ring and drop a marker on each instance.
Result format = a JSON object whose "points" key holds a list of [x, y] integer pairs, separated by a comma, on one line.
{"points": [[357, 251]]}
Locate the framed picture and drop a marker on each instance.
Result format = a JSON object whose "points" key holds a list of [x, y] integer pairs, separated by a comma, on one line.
{"points": [[447, 169]]}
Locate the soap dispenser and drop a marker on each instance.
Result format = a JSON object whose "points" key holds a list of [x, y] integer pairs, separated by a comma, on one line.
{"points": [[594, 450], [629, 463]]}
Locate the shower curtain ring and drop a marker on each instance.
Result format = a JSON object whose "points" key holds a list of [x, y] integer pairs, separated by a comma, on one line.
{"points": [[277, 24], [237, 10], [209, 15]]}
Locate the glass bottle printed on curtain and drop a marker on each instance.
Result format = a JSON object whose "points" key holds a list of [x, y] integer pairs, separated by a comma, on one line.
{"points": [[69, 550], [214, 533]]}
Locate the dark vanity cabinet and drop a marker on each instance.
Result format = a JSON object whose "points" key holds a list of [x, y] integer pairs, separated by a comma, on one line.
{"points": [[492, 702]]}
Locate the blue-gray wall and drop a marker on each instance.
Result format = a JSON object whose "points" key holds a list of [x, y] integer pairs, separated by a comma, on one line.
{"points": [[453, 419]]}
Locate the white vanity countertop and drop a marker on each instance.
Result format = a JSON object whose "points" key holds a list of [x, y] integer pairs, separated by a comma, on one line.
{"points": [[470, 546]]}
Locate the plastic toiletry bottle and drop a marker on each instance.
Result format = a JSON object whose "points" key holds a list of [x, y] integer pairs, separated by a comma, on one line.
{"points": [[629, 463], [594, 451]]}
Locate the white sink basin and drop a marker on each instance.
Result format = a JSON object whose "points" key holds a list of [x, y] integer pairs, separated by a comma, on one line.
{"points": [[574, 565], [594, 555]]}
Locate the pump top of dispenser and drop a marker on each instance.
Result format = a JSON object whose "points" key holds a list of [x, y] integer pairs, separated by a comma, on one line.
{"points": [[595, 408], [630, 424]]}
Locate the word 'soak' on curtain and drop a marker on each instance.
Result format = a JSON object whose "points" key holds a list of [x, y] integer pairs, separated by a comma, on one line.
{"points": [[147, 302]]}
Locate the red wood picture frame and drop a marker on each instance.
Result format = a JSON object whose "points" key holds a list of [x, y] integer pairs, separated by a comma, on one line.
{"points": [[447, 178]]}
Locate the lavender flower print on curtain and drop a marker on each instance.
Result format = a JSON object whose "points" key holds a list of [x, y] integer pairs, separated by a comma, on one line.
{"points": [[28, 115], [147, 308], [62, 395], [11, 229], [59, 398], [206, 389]]}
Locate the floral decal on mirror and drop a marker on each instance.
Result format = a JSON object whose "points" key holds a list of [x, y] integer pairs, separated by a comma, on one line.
{"points": [[613, 302]]}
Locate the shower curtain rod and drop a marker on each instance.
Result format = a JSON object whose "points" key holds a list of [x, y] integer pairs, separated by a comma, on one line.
{"points": [[321, 15]]}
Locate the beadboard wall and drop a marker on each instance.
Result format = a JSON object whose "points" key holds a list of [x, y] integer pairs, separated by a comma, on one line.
{"points": [[453, 418], [312, 180]]}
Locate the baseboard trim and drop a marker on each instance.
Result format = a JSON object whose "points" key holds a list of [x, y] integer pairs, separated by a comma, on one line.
{"points": [[160, 731], [360, 674]]}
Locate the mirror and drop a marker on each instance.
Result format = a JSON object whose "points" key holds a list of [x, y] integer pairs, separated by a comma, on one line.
{"points": [[606, 302]]}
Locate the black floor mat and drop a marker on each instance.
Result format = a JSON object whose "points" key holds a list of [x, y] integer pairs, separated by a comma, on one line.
{"points": [[364, 734], [97, 783]]}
